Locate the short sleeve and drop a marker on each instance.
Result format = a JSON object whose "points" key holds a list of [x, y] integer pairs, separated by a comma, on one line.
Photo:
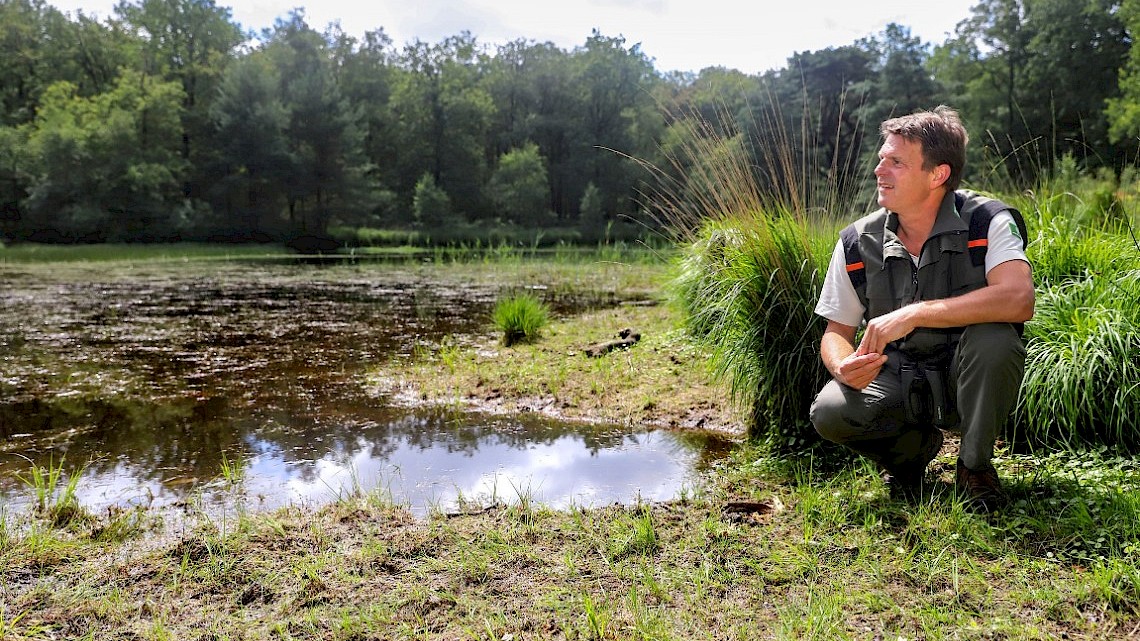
{"points": [[1004, 241], [838, 300]]}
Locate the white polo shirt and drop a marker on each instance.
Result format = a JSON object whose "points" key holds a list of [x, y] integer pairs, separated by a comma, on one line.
{"points": [[838, 301]]}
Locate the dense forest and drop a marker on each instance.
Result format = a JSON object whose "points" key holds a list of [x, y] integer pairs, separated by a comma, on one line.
{"points": [[168, 122]]}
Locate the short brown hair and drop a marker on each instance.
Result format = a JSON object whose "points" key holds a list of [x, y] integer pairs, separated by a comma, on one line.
{"points": [[942, 136]]}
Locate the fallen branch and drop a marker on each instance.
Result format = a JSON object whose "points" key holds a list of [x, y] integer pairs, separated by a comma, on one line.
{"points": [[626, 338]]}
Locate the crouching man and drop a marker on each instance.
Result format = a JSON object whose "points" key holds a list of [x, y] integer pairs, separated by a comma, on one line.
{"points": [[943, 306]]}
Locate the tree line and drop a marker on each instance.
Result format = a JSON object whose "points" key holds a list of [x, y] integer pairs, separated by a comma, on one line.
{"points": [[167, 121]]}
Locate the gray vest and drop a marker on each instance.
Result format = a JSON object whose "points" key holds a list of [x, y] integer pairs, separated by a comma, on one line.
{"points": [[950, 264]]}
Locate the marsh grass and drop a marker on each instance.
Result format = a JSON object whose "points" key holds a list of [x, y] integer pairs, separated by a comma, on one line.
{"points": [[1083, 344], [749, 287], [660, 381], [55, 499], [232, 471], [842, 560], [520, 318], [135, 252], [753, 257]]}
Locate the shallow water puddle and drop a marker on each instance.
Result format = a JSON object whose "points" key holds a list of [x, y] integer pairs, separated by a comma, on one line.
{"points": [[206, 384], [426, 460]]}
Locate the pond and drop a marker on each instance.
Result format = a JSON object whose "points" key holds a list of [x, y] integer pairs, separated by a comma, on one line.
{"points": [[199, 383]]}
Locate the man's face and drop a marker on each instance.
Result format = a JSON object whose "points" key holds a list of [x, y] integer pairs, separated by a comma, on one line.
{"points": [[902, 182]]}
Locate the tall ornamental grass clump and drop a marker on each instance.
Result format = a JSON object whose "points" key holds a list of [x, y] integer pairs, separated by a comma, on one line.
{"points": [[520, 318], [1082, 370], [750, 270], [749, 284]]}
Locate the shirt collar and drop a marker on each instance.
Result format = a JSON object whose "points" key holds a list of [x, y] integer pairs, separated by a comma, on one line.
{"points": [[947, 222]]}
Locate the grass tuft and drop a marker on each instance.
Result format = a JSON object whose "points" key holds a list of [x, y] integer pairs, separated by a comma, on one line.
{"points": [[1083, 343], [56, 500], [751, 269], [1082, 355], [520, 318], [749, 288]]}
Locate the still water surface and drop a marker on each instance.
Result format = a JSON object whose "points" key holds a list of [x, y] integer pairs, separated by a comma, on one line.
{"points": [[154, 379]]}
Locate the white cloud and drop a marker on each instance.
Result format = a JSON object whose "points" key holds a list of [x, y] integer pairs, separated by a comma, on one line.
{"points": [[678, 34]]}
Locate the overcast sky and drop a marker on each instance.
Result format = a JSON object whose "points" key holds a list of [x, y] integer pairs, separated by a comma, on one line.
{"points": [[679, 35]]}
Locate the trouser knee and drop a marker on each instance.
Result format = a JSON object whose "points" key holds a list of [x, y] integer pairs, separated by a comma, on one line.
{"points": [[992, 348], [844, 415], [827, 415], [989, 368]]}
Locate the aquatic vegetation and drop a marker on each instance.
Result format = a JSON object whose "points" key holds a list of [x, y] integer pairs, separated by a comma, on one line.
{"points": [[55, 500]]}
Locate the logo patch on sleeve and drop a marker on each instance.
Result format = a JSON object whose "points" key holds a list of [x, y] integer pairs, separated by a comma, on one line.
{"points": [[1013, 230]]}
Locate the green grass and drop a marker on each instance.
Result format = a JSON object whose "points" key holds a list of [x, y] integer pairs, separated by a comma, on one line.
{"points": [[749, 286], [1083, 355], [232, 471], [39, 253], [835, 557], [520, 318], [1083, 344], [55, 499], [1071, 236], [661, 380], [751, 269]]}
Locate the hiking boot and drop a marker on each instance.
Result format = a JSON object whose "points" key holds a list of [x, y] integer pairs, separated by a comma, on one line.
{"points": [[982, 488], [905, 481]]}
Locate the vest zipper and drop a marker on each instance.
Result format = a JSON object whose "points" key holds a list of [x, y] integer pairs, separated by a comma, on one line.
{"points": [[914, 281]]}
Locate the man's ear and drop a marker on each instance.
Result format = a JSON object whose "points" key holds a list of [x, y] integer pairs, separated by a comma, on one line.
{"points": [[940, 176]]}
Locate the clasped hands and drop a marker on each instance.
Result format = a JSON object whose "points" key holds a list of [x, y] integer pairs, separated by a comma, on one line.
{"points": [[860, 368]]}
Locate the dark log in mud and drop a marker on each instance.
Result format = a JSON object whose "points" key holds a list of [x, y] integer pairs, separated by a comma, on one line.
{"points": [[626, 339]]}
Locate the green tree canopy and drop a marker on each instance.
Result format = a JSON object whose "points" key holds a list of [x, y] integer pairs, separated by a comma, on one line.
{"points": [[104, 167], [519, 187]]}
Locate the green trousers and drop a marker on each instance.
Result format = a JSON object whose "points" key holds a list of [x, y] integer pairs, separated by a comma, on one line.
{"points": [[986, 373]]}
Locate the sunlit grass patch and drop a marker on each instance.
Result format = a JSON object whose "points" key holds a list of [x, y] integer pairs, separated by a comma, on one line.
{"points": [[661, 380], [842, 561], [1083, 354], [520, 318], [1081, 506]]}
